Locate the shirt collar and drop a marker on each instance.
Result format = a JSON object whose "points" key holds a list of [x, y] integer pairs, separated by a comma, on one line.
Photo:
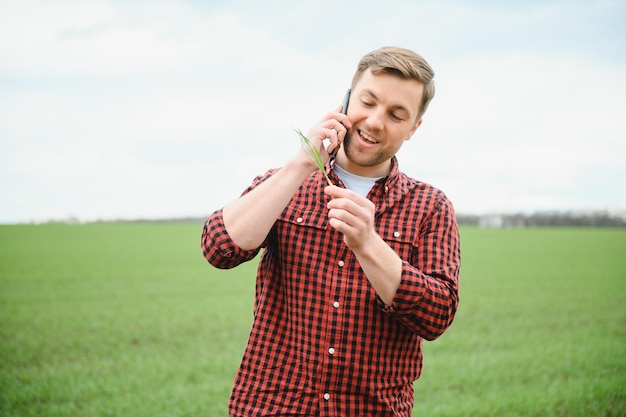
{"points": [[389, 180], [394, 172]]}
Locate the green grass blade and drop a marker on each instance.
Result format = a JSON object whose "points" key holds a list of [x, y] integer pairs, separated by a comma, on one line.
{"points": [[314, 154]]}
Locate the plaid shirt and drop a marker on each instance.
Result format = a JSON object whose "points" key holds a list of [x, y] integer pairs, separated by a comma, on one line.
{"points": [[323, 343]]}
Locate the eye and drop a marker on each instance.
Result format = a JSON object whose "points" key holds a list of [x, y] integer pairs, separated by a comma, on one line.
{"points": [[396, 117], [366, 103]]}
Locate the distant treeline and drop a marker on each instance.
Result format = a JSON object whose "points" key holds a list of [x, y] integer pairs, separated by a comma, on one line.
{"points": [[539, 219], [545, 219]]}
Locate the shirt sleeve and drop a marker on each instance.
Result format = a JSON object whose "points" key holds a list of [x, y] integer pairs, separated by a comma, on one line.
{"points": [[217, 246], [427, 298]]}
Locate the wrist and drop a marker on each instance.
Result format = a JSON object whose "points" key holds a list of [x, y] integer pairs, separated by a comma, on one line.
{"points": [[300, 167]]}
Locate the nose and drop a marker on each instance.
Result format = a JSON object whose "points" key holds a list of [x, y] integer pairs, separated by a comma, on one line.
{"points": [[376, 119]]}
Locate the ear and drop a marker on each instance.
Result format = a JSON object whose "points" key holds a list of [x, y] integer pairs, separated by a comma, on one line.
{"points": [[413, 129]]}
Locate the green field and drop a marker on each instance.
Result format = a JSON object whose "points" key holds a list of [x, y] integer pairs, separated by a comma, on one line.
{"points": [[129, 320]]}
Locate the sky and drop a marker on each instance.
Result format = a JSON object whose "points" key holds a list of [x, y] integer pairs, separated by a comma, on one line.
{"points": [[169, 108]]}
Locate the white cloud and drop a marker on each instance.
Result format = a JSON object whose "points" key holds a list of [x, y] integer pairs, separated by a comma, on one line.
{"points": [[518, 132], [127, 109], [30, 31], [101, 39]]}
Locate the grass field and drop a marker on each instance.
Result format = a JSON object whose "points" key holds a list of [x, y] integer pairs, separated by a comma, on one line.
{"points": [[129, 320]]}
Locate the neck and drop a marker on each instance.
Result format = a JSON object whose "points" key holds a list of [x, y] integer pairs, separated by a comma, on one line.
{"points": [[375, 171]]}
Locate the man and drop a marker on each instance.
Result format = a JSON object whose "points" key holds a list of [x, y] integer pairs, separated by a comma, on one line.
{"points": [[353, 276]]}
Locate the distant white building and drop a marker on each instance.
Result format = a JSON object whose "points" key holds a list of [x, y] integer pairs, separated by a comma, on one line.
{"points": [[491, 221]]}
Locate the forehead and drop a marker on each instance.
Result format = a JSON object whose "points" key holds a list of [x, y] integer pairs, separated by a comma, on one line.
{"points": [[391, 90]]}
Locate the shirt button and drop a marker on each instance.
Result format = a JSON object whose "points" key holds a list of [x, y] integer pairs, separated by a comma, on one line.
{"points": [[299, 219], [336, 304], [396, 234], [341, 263], [327, 396], [331, 351]]}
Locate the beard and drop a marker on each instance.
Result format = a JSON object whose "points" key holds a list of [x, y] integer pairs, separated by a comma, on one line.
{"points": [[361, 156]]}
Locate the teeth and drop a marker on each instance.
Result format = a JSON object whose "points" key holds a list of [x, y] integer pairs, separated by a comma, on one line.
{"points": [[368, 138]]}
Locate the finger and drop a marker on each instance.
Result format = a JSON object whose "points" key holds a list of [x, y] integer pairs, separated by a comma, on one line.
{"points": [[340, 129], [343, 119], [352, 218], [331, 139], [339, 117], [334, 123], [333, 191], [347, 211], [338, 192]]}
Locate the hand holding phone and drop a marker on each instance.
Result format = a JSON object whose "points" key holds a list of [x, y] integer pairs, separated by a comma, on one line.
{"points": [[344, 110]]}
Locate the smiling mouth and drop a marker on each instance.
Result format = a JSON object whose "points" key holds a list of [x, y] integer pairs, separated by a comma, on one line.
{"points": [[367, 137]]}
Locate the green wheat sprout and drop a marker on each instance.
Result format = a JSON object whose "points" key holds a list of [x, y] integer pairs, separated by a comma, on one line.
{"points": [[313, 153]]}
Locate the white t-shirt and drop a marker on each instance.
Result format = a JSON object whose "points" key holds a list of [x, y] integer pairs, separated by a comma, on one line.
{"points": [[356, 183]]}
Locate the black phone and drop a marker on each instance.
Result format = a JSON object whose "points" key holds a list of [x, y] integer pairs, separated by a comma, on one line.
{"points": [[346, 100], [344, 110]]}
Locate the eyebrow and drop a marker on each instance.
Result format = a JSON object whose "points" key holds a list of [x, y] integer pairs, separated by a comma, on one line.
{"points": [[396, 107]]}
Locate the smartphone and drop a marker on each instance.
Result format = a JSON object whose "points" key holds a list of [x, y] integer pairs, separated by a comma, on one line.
{"points": [[344, 110], [346, 100]]}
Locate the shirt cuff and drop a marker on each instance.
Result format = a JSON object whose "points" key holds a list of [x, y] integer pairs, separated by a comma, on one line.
{"points": [[409, 293], [220, 249]]}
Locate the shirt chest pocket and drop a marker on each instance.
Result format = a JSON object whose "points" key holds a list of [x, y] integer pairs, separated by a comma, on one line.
{"points": [[402, 237], [300, 231], [296, 216]]}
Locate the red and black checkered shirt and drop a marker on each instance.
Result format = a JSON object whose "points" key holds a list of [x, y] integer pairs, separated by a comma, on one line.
{"points": [[323, 343]]}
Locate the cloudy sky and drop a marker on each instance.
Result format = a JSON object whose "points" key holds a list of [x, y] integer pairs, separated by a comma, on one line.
{"points": [[149, 109]]}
